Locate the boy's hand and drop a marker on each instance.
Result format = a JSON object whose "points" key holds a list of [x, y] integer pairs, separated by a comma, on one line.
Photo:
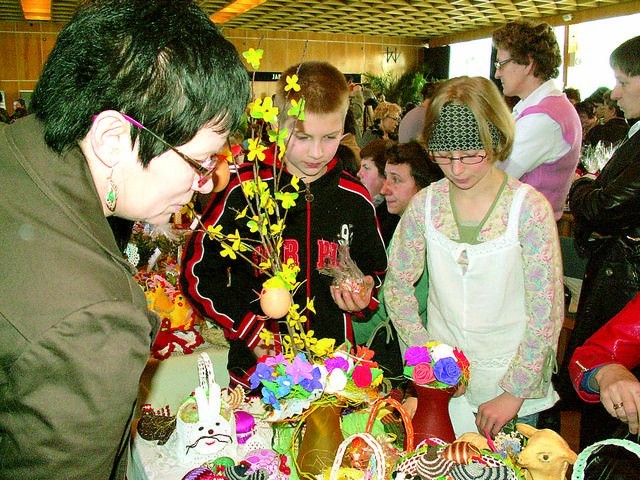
{"points": [[353, 302]]}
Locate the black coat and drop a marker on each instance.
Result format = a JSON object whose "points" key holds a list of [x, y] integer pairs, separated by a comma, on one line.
{"points": [[607, 216]]}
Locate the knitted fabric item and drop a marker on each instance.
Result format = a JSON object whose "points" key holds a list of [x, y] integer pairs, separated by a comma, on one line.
{"points": [[457, 130]]}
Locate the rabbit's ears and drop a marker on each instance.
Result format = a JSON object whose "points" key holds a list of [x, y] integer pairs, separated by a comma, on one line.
{"points": [[208, 393]]}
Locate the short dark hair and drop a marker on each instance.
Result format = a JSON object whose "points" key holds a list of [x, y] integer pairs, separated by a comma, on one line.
{"points": [[586, 107], [423, 170], [323, 86], [376, 150], [598, 95], [21, 102], [626, 57], [573, 94], [163, 62], [428, 89], [527, 42]]}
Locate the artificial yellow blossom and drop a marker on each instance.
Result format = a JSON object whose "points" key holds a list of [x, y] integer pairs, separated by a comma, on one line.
{"points": [[265, 265], [264, 109], [297, 109], [310, 306], [287, 199], [279, 137], [257, 225], [324, 347], [249, 188], [227, 251], [289, 272], [308, 339], [187, 209], [215, 232], [294, 183], [256, 150], [243, 213], [253, 57], [276, 228], [267, 336], [377, 381], [235, 239], [292, 83]]}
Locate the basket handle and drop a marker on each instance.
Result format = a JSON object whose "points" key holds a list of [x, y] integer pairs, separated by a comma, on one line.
{"points": [[408, 425], [378, 455], [581, 462]]}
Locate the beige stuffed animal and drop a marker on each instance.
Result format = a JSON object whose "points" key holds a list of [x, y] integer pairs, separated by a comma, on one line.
{"points": [[547, 455]]}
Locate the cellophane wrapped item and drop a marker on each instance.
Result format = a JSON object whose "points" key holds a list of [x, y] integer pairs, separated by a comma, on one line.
{"points": [[346, 274]]}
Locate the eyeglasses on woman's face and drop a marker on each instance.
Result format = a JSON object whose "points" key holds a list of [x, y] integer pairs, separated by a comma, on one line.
{"points": [[440, 159], [204, 169], [502, 63]]}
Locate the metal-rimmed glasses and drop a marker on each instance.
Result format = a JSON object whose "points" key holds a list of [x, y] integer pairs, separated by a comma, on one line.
{"points": [[502, 63], [463, 159], [204, 169]]}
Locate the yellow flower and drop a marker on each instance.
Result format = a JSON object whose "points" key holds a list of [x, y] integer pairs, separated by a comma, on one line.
{"points": [[267, 336], [227, 251], [310, 306], [215, 232], [308, 339], [235, 239], [249, 188], [377, 381], [279, 137], [253, 57], [276, 228], [257, 225], [324, 347], [256, 150], [294, 183], [297, 109], [292, 83], [264, 109], [243, 213], [287, 199], [265, 265]]}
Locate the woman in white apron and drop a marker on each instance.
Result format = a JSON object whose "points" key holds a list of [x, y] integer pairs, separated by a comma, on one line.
{"points": [[493, 257]]}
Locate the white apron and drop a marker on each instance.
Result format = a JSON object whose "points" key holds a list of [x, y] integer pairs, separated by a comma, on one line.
{"points": [[480, 308]]}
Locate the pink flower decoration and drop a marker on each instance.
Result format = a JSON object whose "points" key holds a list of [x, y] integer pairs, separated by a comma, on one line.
{"points": [[415, 355], [423, 374], [336, 362], [362, 376], [300, 368], [273, 361]]}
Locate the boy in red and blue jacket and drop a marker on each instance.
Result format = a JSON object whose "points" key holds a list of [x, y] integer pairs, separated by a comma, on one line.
{"points": [[332, 206]]}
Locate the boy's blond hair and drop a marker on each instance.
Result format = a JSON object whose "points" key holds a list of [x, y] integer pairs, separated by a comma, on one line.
{"points": [[323, 87]]}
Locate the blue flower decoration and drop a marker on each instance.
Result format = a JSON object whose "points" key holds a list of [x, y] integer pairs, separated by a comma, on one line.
{"points": [[447, 371], [262, 372]]}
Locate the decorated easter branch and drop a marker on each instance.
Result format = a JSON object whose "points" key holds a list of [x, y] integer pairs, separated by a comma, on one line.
{"points": [[265, 213]]}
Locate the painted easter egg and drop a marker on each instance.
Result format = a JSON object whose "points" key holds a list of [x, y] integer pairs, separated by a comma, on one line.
{"points": [[221, 176], [275, 302]]}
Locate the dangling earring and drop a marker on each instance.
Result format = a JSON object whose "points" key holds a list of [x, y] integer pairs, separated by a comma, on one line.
{"points": [[111, 199]]}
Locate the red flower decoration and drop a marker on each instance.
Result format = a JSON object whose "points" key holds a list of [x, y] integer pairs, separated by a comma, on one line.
{"points": [[365, 356], [362, 376]]}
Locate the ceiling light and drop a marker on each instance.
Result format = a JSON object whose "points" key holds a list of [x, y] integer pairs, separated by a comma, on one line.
{"points": [[36, 9], [233, 10]]}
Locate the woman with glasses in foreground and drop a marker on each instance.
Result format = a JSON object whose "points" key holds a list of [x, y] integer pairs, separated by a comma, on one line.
{"points": [[491, 248], [129, 114]]}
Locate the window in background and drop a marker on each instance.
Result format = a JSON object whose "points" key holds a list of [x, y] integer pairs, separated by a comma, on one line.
{"points": [[471, 58], [593, 43]]}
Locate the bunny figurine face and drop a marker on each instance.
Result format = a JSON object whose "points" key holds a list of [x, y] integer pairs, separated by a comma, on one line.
{"points": [[202, 429]]}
